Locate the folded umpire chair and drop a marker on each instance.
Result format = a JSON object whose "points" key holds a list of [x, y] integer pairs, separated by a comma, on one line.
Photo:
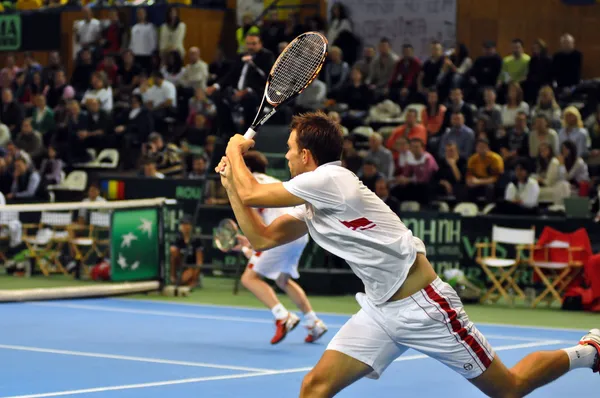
{"points": [[91, 240], [501, 271]]}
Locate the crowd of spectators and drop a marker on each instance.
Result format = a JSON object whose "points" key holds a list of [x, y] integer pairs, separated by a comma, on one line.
{"points": [[494, 128]]}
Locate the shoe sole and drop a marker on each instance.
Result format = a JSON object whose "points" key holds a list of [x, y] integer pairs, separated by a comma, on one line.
{"points": [[286, 333]]}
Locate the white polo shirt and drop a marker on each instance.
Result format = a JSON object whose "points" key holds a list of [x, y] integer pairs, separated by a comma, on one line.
{"points": [[348, 220], [166, 91]]}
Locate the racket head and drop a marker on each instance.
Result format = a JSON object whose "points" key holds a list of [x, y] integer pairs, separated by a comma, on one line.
{"points": [[296, 67], [225, 235]]}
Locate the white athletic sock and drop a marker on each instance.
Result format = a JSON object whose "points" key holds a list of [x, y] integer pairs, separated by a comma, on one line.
{"points": [[581, 356], [279, 312], [310, 317]]}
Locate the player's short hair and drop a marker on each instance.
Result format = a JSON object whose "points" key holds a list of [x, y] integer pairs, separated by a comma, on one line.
{"points": [[320, 135], [256, 162]]}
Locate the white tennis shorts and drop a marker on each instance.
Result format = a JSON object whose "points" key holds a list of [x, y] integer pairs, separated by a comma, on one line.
{"points": [[283, 259], [431, 321]]}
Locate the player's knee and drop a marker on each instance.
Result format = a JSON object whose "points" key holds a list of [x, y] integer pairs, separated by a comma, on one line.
{"points": [[247, 277], [315, 386]]}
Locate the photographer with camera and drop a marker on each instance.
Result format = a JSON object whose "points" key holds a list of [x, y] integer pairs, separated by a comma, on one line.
{"points": [[167, 157]]}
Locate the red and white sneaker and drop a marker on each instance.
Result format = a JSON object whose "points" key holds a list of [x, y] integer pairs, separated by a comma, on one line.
{"points": [[284, 326], [593, 339], [315, 331]]}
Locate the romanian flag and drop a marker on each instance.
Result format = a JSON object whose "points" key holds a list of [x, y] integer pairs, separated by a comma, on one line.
{"points": [[114, 189]]}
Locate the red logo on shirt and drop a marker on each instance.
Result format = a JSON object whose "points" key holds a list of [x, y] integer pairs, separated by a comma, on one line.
{"points": [[361, 224]]}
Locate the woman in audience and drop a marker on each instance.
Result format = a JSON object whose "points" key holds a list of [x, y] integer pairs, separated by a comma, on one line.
{"points": [[574, 131], [573, 167], [553, 186], [546, 105], [173, 69], [101, 91], [514, 105], [172, 34], [455, 67], [336, 72], [357, 95], [51, 168], [338, 23], [432, 117], [542, 133]]}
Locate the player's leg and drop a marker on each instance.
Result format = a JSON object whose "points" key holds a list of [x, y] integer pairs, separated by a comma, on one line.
{"points": [[316, 327], [360, 348], [539, 368], [285, 321]]}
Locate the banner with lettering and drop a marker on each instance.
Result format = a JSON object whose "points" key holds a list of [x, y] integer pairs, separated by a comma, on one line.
{"points": [[415, 22]]}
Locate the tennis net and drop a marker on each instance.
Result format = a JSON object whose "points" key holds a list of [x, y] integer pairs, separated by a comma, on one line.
{"points": [[84, 249]]}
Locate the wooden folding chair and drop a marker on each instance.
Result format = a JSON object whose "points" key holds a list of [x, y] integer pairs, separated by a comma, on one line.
{"points": [[555, 273], [91, 239], [51, 237], [500, 271]]}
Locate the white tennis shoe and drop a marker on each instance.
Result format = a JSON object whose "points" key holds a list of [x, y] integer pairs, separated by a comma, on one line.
{"points": [[593, 339]]}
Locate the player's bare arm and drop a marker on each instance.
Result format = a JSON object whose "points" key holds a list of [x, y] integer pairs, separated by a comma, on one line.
{"points": [[262, 237], [250, 191]]}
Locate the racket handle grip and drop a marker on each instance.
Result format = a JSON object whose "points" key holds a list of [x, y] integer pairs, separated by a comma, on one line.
{"points": [[250, 133]]}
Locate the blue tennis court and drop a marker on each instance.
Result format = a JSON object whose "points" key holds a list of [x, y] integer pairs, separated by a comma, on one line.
{"points": [[133, 348]]}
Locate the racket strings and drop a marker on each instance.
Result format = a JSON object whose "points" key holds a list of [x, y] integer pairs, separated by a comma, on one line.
{"points": [[296, 68]]}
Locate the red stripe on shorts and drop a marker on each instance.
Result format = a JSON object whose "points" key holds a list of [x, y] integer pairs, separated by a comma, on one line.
{"points": [[458, 328]]}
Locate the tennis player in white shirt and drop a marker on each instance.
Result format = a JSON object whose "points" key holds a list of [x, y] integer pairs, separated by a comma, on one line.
{"points": [[405, 304], [279, 264]]}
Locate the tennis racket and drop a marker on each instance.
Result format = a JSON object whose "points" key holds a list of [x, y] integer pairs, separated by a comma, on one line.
{"points": [[225, 235], [294, 70]]}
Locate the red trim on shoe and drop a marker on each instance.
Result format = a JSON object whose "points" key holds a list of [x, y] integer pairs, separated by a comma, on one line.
{"points": [[596, 367], [457, 328]]}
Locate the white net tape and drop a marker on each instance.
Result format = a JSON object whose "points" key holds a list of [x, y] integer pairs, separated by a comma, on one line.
{"points": [[296, 67]]}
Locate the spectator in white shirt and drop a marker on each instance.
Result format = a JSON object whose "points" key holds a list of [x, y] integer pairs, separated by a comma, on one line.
{"points": [[172, 33], [522, 195], [164, 93], [88, 31], [196, 73], [93, 196], [144, 40], [101, 91], [11, 228]]}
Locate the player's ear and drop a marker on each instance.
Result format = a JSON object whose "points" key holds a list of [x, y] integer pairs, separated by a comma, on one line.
{"points": [[305, 156]]}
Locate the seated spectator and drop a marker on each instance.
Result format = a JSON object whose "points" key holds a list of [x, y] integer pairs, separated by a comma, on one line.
{"points": [[348, 148], [380, 155], [573, 167], [173, 69], [364, 64], [410, 129], [542, 133], [546, 105], [128, 75], [336, 72], [574, 131], [382, 190], [149, 169], [432, 117], [167, 158], [199, 168], [5, 136], [369, 174], [13, 152], [456, 66], [133, 131], [516, 143], [356, 94], [491, 110], [200, 104], [514, 105], [30, 140], [457, 104], [11, 68], [460, 134], [382, 67], [185, 251], [42, 118], [162, 96], [196, 133], [451, 173], [553, 186], [566, 65], [76, 134], [26, 181], [99, 125], [431, 72], [195, 74], [58, 90], [402, 155], [101, 91], [110, 69], [514, 66], [414, 182], [51, 168], [539, 73], [93, 195], [405, 75], [483, 170], [312, 98], [218, 69], [49, 70], [82, 74], [11, 113], [521, 195], [486, 68]]}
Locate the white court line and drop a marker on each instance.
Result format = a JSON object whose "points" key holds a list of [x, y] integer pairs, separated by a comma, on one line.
{"points": [[242, 375], [241, 307], [218, 317], [130, 358]]}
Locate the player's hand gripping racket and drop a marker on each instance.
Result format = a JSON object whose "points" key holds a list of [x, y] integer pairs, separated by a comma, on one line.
{"points": [[225, 235], [294, 70]]}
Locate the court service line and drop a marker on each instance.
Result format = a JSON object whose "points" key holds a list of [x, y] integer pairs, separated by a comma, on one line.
{"points": [[241, 375], [132, 358], [221, 318], [341, 314]]}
